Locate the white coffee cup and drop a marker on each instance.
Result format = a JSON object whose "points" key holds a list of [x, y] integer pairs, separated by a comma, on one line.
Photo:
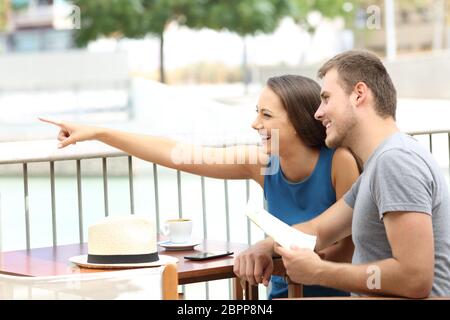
{"points": [[178, 230]]}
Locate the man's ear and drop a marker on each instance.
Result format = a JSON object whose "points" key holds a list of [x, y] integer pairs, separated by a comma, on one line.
{"points": [[360, 91]]}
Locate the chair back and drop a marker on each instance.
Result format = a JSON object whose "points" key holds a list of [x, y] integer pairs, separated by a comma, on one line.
{"points": [[158, 283]]}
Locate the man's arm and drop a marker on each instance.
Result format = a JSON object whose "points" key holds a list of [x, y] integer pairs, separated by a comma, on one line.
{"points": [[409, 273], [332, 225], [255, 264]]}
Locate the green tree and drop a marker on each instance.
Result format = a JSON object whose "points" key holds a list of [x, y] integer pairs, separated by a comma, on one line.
{"points": [[3, 14], [131, 19], [138, 18], [246, 18], [249, 17], [301, 9]]}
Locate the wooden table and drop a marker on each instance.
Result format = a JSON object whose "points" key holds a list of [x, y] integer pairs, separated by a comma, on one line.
{"points": [[52, 261]]}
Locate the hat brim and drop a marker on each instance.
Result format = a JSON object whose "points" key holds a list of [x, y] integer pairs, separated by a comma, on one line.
{"points": [[82, 262]]}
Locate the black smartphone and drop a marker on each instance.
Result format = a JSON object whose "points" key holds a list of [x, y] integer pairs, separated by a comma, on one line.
{"points": [[208, 255]]}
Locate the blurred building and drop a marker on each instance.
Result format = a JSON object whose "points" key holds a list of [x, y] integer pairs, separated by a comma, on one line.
{"points": [[419, 26], [43, 72], [35, 25]]}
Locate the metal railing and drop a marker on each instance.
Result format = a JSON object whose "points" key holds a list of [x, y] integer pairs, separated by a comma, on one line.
{"points": [[430, 134], [25, 153], [45, 151]]}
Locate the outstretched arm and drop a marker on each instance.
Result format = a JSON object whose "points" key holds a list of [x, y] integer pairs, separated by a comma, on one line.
{"points": [[237, 162]]}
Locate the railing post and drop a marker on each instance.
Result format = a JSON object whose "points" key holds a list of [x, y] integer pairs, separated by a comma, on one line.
{"points": [[80, 202], [430, 139], [249, 229], [155, 184], [205, 225], [227, 209], [130, 179], [52, 188], [105, 185], [180, 209], [180, 200], [227, 223], [27, 206]]}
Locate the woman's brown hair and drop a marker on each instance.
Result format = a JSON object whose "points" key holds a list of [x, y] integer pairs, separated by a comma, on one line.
{"points": [[300, 97]]}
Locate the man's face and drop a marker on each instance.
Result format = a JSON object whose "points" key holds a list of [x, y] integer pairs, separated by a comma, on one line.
{"points": [[335, 112]]}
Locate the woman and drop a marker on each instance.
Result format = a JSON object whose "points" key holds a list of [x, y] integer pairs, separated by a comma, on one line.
{"points": [[300, 176]]}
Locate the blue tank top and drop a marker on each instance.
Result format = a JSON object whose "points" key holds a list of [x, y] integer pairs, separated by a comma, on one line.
{"points": [[297, 202]]}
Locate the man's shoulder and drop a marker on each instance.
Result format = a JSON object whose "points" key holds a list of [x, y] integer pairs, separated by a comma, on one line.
{"points": [[404, 146], [406, 158]]}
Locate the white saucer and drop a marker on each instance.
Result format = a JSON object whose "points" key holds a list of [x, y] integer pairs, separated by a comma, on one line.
{"points": [[82, 262], [170, 246]]}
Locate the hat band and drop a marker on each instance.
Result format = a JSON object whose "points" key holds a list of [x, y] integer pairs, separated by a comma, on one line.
{"points": [[122, 258]]}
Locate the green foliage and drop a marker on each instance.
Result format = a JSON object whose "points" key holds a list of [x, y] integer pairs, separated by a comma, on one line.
{"points": [[300, 9], [3, 15], [137, 18], [127, 18], [18, 5], [243, 17]]}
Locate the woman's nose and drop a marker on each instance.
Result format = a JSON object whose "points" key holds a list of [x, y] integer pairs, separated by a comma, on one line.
{"points": [[256, 124]]}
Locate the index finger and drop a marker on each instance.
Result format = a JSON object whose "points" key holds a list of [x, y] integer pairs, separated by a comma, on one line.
{"points": [[282, 251], [52, 121]]}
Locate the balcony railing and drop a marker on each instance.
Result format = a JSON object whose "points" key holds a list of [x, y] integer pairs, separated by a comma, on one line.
{"points": [[45, 151], [24, 153]]}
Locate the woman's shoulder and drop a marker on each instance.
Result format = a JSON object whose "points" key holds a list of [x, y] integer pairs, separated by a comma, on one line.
{"points": [[343, 153], [343, 158]]}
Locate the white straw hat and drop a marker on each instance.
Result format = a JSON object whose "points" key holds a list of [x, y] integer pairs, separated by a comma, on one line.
{"points": [[122, 242]]}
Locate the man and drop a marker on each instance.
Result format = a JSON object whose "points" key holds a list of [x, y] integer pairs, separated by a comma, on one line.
{"points": [[398, 211]]}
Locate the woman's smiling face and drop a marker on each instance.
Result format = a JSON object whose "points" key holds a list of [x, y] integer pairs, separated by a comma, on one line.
{"points": [[272, 122]]}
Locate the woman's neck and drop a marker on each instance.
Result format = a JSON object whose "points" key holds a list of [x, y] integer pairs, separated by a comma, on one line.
{"points": [[299, 162]]}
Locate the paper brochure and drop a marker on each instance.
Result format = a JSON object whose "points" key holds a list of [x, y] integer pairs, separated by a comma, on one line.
{"points": [[281, 232]]}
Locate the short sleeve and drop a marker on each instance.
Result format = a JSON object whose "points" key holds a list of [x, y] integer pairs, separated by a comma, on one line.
{"points": [[350, 195], [402, 181]]}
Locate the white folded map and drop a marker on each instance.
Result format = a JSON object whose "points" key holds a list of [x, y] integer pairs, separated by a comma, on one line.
{"points": [[279, 231]]}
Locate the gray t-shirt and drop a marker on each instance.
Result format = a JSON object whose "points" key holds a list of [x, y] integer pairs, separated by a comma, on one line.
{"points": [[401, 175]]}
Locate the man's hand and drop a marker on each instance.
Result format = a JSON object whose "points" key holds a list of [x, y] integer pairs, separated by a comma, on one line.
{"points": [[72, 133], [255, 265], [301, 265]]}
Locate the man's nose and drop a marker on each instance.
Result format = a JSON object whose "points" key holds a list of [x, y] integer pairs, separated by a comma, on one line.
{"points": [[319, 113]]}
